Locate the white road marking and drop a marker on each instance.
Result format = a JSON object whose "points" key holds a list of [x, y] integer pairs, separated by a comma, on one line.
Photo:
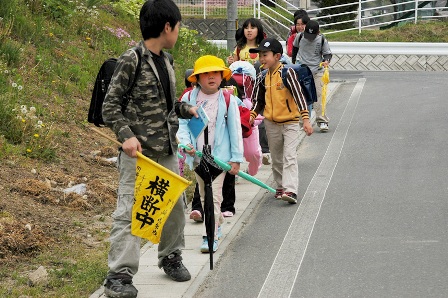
{"points": [[285, 269]]}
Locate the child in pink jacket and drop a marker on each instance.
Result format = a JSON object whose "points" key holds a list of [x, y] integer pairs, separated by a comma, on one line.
{"points": [[247, 77]]}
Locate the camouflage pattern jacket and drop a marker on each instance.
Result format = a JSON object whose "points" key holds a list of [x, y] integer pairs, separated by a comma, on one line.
{"points": [[146, 116]]}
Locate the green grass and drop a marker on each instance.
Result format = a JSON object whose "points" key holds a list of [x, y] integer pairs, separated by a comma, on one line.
{"points": [[53, 51], [70, 274]]}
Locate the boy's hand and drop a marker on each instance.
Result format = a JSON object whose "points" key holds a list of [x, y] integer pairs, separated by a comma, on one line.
{"points": [[193, 111], [190, 151], [235, 168], [131, 146], [325, 63], [307, 127], [251, 120]]}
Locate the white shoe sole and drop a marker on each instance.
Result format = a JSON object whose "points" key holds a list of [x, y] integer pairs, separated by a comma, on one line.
{"points": [[205, 250], [289, 199]]}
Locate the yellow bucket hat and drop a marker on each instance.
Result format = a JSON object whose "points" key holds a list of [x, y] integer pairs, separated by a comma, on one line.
{"points": [[209, 63]]}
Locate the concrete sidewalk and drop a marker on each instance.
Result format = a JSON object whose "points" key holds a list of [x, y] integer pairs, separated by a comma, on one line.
{"points": [[152, 282]]}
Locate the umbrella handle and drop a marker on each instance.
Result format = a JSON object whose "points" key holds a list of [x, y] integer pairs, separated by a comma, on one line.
{"points": [[244, 175], [182, 146]]}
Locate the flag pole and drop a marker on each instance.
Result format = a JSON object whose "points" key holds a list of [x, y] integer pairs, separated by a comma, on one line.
{"points": [[106, 136]]}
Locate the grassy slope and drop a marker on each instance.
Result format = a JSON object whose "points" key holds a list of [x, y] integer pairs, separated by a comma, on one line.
{"points": [[435, 31], [49, 57]]}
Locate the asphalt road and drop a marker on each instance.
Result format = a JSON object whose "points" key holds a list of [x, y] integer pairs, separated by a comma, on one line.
{"points": [[373, 217]]}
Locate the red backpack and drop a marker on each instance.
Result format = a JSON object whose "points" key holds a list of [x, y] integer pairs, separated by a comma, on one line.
{"points": [[245, 84]]}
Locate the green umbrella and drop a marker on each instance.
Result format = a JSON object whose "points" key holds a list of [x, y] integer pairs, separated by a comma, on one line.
{"points": [[226, 167]]}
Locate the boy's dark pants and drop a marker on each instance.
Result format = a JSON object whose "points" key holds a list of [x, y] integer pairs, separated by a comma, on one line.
{"points": [[263, 138]]}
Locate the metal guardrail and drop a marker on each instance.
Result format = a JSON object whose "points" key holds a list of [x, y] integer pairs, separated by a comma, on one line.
{"points": [[389, 48], [367, 13], [376, 48], [384, 56]]}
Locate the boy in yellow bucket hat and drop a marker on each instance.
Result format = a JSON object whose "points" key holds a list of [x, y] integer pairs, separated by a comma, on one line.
{"points": [[224, 134]]}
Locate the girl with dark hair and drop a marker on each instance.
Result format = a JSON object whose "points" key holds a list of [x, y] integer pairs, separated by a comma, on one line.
{"points": [[252, 35]]}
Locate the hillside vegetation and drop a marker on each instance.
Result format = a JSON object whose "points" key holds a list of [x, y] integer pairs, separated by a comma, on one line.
{"points": [[50, 53], [424, 31]]}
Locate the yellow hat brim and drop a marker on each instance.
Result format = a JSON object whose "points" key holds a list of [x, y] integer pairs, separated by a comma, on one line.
{"points": [[226, 72]]}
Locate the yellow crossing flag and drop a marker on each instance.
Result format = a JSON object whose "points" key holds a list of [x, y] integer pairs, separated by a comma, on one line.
{"points": [[157, 190]]}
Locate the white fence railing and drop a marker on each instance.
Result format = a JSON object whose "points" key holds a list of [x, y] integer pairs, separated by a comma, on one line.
{"points": [[375, 14], [367, 13], [376, 48]]}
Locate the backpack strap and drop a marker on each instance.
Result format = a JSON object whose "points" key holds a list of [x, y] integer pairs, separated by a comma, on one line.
{"points": [[226, 94], [245, 126], [322, 45], [263, 75], [226, 97], [127, 96]]}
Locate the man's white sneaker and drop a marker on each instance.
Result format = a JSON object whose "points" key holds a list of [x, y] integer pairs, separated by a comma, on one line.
{"points": [[323, 127]]}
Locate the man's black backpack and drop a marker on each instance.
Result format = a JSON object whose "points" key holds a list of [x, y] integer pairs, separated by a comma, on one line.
{"points": [[306, 80], [102, 83]]}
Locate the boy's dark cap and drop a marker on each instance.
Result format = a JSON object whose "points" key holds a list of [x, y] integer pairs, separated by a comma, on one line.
{"points": [[268, 44], [311, 30]]}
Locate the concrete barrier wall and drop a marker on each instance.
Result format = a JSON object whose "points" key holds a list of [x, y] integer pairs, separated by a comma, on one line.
{"points": [[390, 56], [384, 62]]}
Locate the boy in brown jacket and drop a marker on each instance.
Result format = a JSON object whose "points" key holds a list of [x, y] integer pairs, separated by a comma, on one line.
{"points": [[282, 108]]}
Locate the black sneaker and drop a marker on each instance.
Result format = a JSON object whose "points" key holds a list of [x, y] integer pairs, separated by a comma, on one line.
{"points": [[290, 197], [120, 287], [173, 267]]}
